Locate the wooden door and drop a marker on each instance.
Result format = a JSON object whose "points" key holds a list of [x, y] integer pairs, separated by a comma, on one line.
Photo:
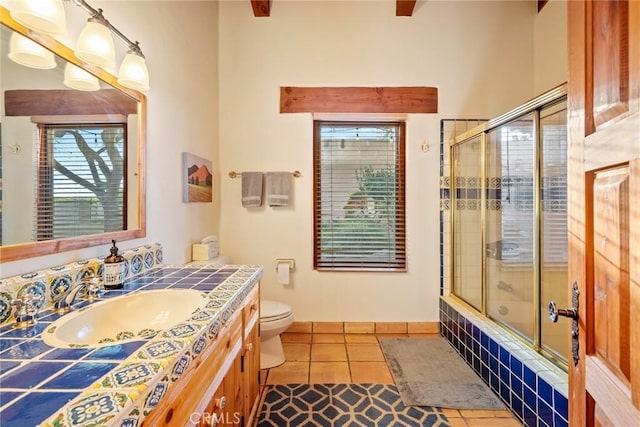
{"points": [[604, 210]]}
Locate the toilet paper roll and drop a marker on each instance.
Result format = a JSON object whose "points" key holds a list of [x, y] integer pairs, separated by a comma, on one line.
{"points": [[283, 273]]}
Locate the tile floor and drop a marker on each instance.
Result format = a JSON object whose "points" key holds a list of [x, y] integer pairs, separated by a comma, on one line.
{"points": [[313, 358]]}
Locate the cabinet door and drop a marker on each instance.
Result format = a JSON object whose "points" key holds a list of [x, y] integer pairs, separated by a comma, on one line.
{"points": [[251, 350], [252, 373], [234, 410]]}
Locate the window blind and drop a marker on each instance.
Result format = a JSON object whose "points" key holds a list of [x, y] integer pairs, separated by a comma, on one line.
{"points": [[359, 196], [81, 180], [554, 191]]}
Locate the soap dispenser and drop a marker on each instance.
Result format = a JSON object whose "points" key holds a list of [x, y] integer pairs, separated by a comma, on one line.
{"points": [[113, 269]]}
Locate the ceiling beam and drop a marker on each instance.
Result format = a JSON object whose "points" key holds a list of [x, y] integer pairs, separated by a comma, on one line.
{"points": [[405, 7], [408, 99], [261, 8]]}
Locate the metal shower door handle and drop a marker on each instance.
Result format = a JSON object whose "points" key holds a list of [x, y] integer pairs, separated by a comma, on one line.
{"points": [[555, 312]]}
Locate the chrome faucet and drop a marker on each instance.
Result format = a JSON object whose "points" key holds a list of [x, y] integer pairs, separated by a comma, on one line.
{"points": [[89, 285], [27, 312]]}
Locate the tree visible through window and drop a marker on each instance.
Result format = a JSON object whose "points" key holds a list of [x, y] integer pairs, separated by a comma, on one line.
{"points": [[359, 208], [81, 180]]}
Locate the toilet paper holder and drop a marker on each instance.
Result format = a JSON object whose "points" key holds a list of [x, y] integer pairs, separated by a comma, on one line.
{"points": [[289, 261]]}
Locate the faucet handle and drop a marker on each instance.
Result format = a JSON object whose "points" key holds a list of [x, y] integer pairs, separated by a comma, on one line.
{"points": [[93, 287], [27, 309]]}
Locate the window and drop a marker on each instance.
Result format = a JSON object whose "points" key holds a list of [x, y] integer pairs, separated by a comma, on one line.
{"points": [[81, 180], [359, 196]]}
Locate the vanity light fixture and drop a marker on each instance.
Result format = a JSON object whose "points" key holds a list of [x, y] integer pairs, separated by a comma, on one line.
{"points": [[79, 79], [26, 52], [95, 43], [46, 16]]}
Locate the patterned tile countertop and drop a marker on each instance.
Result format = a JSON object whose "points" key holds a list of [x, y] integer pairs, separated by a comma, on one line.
{"points": [[117, 384]]}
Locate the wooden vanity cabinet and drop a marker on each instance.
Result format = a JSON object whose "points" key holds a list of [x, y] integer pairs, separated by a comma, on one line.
{"points": [[220, 387]]}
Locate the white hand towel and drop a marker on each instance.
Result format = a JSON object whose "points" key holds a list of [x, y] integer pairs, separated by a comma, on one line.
{"points": [[278, 188], [251, 189]]}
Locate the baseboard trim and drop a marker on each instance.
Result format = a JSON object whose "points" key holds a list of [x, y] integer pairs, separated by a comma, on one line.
{"points": [[364, 327]]}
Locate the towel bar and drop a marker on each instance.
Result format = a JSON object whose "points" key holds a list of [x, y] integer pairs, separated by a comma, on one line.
{"points": [[234, 174]]}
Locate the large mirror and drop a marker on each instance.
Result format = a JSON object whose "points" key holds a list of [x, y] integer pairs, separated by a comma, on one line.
{"points": [[72, 160]]}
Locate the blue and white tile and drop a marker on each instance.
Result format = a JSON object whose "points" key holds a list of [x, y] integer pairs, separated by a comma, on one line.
{"points": [[93, 408]]}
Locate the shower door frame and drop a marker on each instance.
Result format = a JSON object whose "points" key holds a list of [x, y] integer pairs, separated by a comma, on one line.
{"points": [[547, 99]]}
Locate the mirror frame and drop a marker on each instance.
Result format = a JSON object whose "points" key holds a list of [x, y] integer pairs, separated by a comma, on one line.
{"points": [[48, 247]]}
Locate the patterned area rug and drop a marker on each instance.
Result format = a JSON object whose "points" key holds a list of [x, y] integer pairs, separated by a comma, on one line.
{"points": [[367, 405]]}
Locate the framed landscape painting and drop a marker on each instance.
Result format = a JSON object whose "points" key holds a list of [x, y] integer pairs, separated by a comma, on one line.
{"points": [[197, 179]]}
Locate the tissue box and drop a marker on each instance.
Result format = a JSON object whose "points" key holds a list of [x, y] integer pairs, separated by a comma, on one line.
{"points": [[204, 251]]}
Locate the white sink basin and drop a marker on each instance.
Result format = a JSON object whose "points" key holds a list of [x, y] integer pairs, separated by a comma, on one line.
{"points": [[124, 318]]}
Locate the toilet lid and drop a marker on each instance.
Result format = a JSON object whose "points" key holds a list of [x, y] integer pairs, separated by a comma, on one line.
{"points": [[273, 310]]}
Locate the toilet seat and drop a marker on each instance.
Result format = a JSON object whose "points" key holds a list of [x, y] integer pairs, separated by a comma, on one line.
{"points": [[270, 311]]}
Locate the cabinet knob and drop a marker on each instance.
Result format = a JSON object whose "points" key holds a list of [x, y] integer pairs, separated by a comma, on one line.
{"points": [[249, 346], [221, 403]]}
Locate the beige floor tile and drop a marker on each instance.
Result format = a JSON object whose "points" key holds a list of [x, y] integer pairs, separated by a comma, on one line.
{"points": [[328, 338], [502, 414], [364, 353], [328, 353], [492, 422], [289, 373], [329, 372], [297, 352], [452, 413], [296, 337], [361, 339], [370, 372], [457, 422], [300, 327], [477, 413]]}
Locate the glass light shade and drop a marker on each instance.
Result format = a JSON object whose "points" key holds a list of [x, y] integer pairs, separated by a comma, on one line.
{"points": [[46, 16], [95, 45], [26, 52], [133, 72], [77, 78]]}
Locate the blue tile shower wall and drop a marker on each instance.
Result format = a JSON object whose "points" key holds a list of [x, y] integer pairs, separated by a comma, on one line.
{"points": [[536, 395]]}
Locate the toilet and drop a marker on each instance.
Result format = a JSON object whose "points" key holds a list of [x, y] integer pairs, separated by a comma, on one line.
{"points": [[275, 318]]}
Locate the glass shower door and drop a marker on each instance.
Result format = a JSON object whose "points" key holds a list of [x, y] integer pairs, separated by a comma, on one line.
{"points": [[466, 209], [553, 224], [510, 224]]}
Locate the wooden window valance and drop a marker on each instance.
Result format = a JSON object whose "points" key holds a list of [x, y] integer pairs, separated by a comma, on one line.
{"points": [[408, 99]]}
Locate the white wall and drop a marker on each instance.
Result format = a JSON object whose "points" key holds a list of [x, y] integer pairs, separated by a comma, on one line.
{"points": [[550, 52], [179, 39], [478, 55]]}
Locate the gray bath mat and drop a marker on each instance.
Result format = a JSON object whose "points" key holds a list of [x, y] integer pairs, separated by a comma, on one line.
{"points": [[429, 372]]}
